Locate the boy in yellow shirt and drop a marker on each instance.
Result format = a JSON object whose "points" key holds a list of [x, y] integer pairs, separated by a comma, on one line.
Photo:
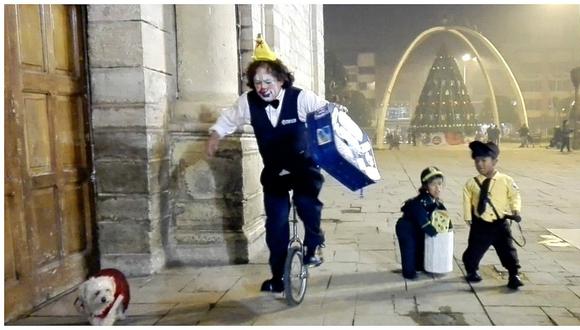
{"points": [[487, 199]]}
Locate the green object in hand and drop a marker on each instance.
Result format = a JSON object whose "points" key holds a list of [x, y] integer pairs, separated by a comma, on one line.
{"points": [[441, 220]]}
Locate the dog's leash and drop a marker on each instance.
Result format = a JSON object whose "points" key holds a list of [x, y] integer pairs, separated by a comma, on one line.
{"points": [[517, 220]]}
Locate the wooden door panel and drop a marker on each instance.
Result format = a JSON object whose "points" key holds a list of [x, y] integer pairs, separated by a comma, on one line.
{"points": [[16, 249], [52, 281], [46, 225], [9, 257], [36, 82], [48, 193], [30, 39], [75, 238], [68, 130], [37, 134], [63, 40], [15, 252], [17, 287]]}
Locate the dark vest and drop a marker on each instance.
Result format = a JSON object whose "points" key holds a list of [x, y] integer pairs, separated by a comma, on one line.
{"points": [[283, 146]]}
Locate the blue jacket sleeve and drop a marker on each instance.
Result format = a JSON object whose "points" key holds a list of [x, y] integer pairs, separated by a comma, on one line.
{"points": [[416, 212]]}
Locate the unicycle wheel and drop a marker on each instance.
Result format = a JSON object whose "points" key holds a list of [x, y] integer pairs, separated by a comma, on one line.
{"points": [[295, 277]]}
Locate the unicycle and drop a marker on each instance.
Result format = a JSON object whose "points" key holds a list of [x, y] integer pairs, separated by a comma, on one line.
{"points": [[295, 271]]}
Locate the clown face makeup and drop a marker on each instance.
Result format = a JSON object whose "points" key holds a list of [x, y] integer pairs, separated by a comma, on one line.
{"points": [[266, 85]]}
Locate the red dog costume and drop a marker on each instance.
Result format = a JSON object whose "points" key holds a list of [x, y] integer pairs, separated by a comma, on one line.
{"points": [[121, 287]]}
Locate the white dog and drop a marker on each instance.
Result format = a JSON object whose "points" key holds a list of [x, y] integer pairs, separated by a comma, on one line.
{"points": [[104, 297]]}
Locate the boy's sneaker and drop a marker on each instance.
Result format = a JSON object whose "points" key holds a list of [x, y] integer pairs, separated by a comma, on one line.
{"points": [[313, 257], [514, 282], [272, 285], [473, 277]]}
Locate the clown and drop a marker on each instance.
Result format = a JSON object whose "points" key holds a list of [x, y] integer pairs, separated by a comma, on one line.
{"points": [[277, 111]]}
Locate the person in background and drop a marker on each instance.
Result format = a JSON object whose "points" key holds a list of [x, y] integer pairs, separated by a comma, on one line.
{"points": [[556, 140], [493, 134], [566, 134], [524, 132]]}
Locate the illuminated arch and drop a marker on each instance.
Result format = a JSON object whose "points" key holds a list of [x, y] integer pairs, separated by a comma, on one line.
{"points": [[457, 31], [513, 82]]}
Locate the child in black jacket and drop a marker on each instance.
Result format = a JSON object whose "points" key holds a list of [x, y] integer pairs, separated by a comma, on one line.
{"points": [[415, 222]]}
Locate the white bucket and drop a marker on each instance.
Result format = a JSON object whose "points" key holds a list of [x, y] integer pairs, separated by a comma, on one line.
{"points": [[439, 253]]}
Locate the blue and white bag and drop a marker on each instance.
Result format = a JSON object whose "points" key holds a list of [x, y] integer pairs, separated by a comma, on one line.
{"points": [[341, 148]]}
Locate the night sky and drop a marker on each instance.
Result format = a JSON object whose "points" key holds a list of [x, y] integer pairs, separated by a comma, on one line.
{"points": [[388, 29]]}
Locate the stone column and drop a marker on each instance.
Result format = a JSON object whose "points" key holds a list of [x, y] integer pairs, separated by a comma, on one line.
{"points": [[217, 215], [132, 67], [318, 49], [250, 17]]}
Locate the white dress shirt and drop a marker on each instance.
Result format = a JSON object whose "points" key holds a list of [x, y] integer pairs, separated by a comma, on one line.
{"points": [[239, 113]]}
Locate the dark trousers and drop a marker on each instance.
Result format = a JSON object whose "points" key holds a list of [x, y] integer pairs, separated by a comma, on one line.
{"points": [[306, 186], [412, 245], [565, 143], [482, 235]]}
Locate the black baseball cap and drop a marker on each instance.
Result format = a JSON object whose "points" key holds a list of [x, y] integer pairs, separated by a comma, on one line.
{"points": [[480, 149]]}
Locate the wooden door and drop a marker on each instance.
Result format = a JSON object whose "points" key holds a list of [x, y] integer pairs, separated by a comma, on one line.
{"points": [[48, 227]]}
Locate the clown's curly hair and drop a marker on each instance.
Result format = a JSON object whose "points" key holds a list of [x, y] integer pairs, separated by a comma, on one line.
{"points": [[276, 68]]}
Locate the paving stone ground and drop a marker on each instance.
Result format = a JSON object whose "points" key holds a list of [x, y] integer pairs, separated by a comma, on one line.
{"points": [[360, 282]]}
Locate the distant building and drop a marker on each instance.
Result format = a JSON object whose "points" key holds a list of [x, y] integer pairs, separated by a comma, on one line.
{"points": [[398, 117], [543, 76], [548, 85], [362, 76], [398, 112]]}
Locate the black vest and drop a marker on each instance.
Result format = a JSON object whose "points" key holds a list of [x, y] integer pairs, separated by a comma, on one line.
{"points": [[283, 146]]}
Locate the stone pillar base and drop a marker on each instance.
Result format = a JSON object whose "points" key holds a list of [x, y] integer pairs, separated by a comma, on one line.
{"points": [[218, 203], [137, 264], [236, 249]]}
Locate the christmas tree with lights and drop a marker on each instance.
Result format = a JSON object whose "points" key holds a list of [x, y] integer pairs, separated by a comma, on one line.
{"points": [[444, 105]]}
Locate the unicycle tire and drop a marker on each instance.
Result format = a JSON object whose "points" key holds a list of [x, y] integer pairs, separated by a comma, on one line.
{"points": [[295, 277]]}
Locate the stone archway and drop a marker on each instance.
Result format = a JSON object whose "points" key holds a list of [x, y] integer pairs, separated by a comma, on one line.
{"points": [[459, 32]]}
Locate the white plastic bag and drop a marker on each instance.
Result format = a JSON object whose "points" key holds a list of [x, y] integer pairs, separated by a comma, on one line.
{"points": [[352, 146], [439, 253]]}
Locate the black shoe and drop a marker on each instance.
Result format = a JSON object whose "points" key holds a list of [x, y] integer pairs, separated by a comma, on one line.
{"points": [[473, 277], [272, 285], [514, 282], [313, 257], [410, 276]]}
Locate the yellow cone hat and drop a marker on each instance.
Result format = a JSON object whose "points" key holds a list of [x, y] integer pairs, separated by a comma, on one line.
{"points": [[263, 51]]}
